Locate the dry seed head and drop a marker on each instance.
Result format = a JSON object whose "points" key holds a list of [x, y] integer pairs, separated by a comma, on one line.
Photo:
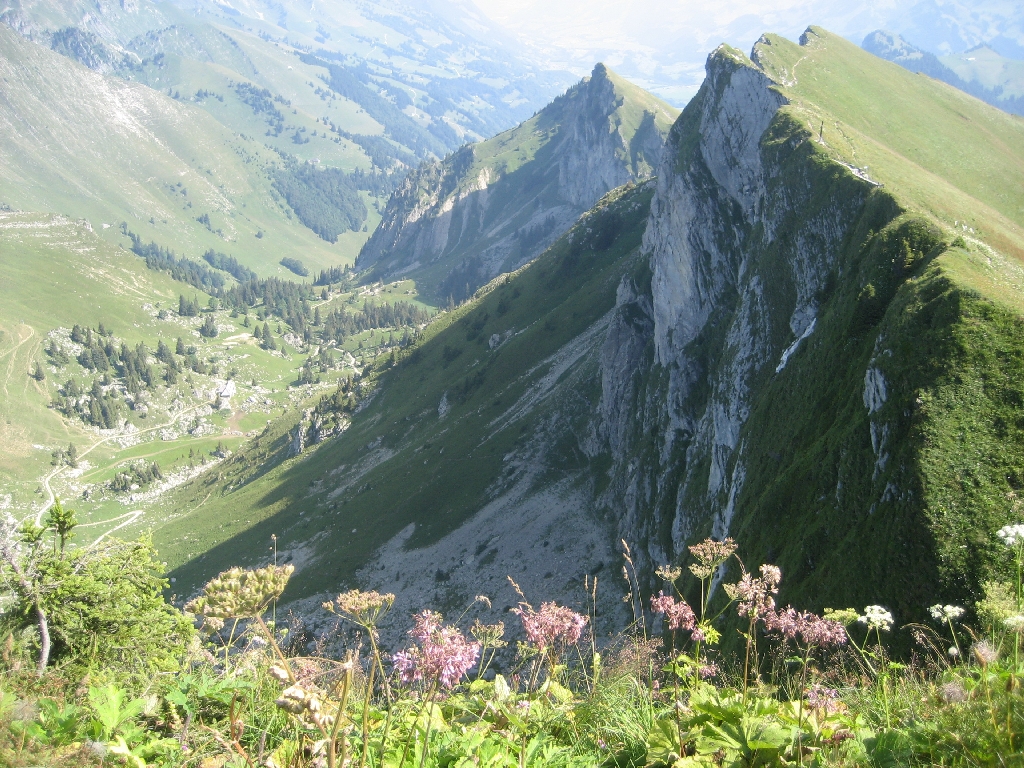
{"points": [[984, 653], [279, 673], [489, 634], [363, 608], [238, 593], [669, 573]]}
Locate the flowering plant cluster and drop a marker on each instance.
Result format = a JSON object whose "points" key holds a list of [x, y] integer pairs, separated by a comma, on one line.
{"points": [[1012, 535], [551, 625], [941, 612], [363, 608], [876, 617], [756, 595], [710, 554], [443, 656], [238, 593], [807, 627], [678, 613]]}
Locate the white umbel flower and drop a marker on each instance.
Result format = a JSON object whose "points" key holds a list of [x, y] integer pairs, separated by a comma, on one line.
{"points": [[941, 612], [1012, 535], [876, 617], [1014, 624]]}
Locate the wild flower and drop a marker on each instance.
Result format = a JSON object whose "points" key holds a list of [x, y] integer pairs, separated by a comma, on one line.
{"points": [[443, 656], [551, 624], [678, 612], [755, 594], [710, 554], [238, 593], [707, 671], [809, 628], [876, 617], [953, 652], [984, 652], [1014, 624], [362, 608], [1012, 535], [941, 612], [823, 698], [668, 573]]}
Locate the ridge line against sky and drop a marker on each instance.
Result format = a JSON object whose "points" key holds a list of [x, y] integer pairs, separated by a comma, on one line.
{"points": [[662, 45]]}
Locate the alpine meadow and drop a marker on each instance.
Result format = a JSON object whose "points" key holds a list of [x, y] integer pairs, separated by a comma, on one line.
{"points": [[399, 383]]}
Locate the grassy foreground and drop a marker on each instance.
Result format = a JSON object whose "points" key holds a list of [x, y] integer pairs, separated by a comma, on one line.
{"points": [[114, 675]]}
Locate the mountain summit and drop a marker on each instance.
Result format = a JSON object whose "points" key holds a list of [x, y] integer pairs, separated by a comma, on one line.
{"points": [[491, 207]]}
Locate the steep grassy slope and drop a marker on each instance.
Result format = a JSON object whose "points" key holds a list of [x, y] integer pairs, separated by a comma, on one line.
{"points": [[981, 71], [94, 147], [492, 206], [481, 414]]}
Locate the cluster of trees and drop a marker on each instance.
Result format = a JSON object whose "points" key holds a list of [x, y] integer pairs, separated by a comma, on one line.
{"points": [[321, 362], [333, 276], [294, 265], [325, 200], [65, 456], [339, 325], [137, 475], [263, 102], [229, 264], [187, 308], [101, 406], [121, 368], [165, 260], [99, 354]]}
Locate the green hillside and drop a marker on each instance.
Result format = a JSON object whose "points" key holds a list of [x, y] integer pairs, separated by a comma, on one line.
{"points": [[399, 462], [981, 71], [95, 147]]}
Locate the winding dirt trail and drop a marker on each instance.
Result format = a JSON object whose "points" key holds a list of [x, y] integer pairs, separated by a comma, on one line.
{"points": [[138, 513]]}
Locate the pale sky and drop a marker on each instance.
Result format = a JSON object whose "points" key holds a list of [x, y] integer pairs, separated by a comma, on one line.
{"points": [[662, 44]]}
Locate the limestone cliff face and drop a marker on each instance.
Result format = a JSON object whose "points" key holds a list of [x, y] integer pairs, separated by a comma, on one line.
{"points": [[741, 244], [493, 206]]}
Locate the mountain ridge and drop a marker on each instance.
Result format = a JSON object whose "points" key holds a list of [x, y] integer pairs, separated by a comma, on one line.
{"points": [[443, 225]]}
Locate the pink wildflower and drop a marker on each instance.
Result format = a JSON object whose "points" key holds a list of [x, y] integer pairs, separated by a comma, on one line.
{"points": [[707, 671], [820, 697], [809, 628], [443, 656], [756, 595], [551, 624], [678, 613]]}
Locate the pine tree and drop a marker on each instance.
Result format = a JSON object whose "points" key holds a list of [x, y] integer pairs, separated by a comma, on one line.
{"points": [[179, 347], [38, 373]]}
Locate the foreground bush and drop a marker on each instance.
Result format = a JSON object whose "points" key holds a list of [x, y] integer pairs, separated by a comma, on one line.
{"points": [[805, 690]]}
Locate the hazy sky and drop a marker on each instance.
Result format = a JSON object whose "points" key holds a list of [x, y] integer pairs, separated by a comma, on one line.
{"points": [[662, 44]]}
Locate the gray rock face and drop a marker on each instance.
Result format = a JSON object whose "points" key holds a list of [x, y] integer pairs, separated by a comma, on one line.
{"points": [[492, 207], [716, 322]]}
